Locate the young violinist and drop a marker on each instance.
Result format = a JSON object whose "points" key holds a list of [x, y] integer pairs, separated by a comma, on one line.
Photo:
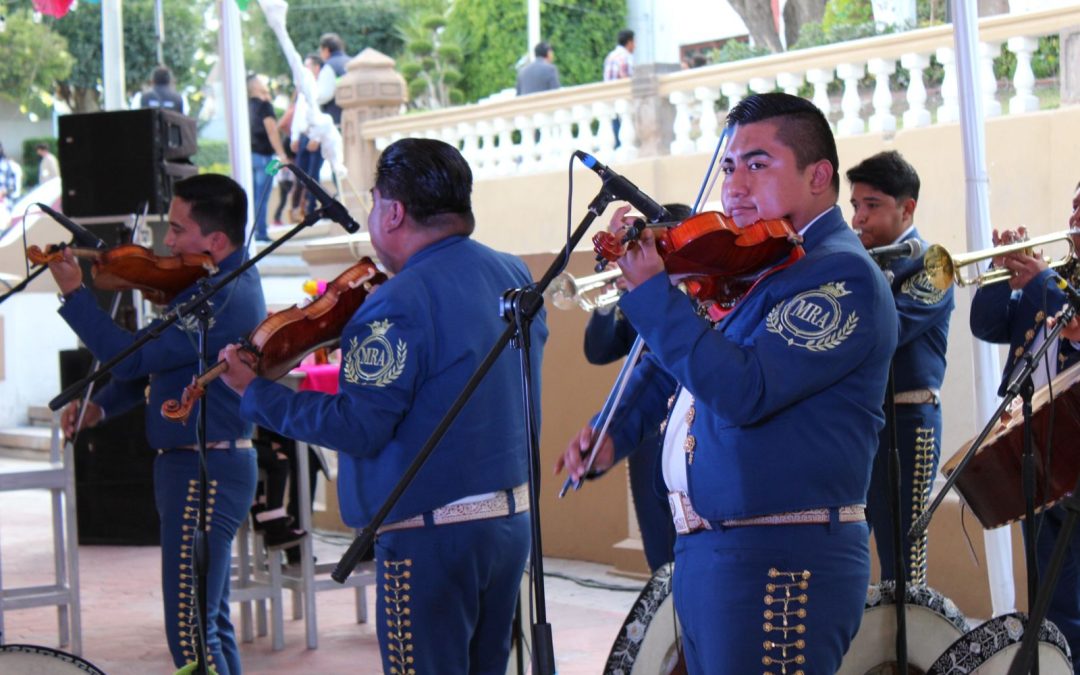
{"points": [[1016, 314], [450, 557], [884, 195], [208, 214], [770, 417]]}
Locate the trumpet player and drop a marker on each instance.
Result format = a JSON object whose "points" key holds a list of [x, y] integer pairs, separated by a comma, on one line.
{"points": [[1016, 314], [884, 195], [608, 338]]}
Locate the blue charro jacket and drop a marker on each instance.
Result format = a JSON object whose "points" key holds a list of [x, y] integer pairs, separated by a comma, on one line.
{"points": [[406, 355], [788, 388], [171, 361]]}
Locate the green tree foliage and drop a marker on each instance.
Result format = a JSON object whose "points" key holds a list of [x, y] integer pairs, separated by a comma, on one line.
{"points": [[186, 41], [34, 58], [360, 24], [493, 34], [432, 58]]}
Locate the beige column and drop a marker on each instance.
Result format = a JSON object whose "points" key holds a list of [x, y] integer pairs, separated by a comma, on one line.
{"points": [[370, 89]]}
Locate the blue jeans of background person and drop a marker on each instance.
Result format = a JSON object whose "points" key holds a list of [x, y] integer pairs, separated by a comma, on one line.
{"points": [[232, 476], [260, 183], [447, 595], [773, 595], [310, 162]]}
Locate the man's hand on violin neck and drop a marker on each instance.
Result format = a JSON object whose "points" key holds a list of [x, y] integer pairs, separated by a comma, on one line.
{"points": [[240, 373], [641, 261], [67, 273]]}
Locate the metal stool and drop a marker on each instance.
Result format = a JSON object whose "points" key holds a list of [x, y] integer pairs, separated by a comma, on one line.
{"points": [[59, 479], [256, 577], [309, 582]]}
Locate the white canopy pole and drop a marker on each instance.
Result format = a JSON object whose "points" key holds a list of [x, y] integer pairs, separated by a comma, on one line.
{"points": [[234, 86], [987, 366], [534, 26], [112, 54]]}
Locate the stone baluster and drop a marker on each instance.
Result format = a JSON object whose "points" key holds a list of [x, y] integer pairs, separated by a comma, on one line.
{"points": [[505, 164], [950, 95], [988, 51], [882, 120], [603, 111], [382, 142], [762, 85], [735, 92], [581, 115], [709, 125], [682, 101], [1024, 79], [789, 83], [628, 148], [526, 151], [484, 154], [565, 143], [820, 78], [916, 115], [470, 145], [850, 103]]}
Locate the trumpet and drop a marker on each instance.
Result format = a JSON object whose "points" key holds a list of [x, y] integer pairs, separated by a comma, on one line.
{"points": [[945, 269], [592, 292]]}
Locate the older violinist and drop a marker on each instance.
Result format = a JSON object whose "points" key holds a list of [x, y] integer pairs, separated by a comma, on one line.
{"points": [[771, 415], [1015, 314], [208, 214]]}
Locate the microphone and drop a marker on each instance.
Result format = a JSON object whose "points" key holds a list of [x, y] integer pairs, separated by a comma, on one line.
{"points": [[1068, 290], [332, 208], [625, 190], [912, 248], [81, 235]]}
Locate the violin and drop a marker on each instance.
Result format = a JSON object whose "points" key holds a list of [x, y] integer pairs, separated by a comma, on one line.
{"points": [[720, 260], [284, 338], [130, 266]]}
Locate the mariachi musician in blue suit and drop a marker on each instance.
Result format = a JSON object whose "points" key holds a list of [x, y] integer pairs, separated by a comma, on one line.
{"points": [[207, 215], [1016, 314], [772, 427], [884, 195], [450, 557]]}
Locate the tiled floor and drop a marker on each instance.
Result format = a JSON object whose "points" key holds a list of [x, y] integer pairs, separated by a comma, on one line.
{"points": [[122, 623]]}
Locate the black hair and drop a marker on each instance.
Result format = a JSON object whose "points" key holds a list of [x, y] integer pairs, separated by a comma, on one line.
{"points": [[315, 58], [800, 125], [430, 178], [218, 204], [161, 76], [887, 172], [41, 146], [541, 50], [625, 36], [332, 42]]}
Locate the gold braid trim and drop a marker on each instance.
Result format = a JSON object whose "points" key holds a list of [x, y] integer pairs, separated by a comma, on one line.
{"points": [[783, 606], [922, 479], [187, 625], [396, 575]]}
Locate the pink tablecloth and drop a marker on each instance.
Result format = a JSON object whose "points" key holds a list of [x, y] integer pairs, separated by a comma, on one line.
{"points": [[322, 377]]}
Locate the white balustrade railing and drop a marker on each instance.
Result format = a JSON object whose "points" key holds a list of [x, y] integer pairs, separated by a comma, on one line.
{"points": [[537, 133]]}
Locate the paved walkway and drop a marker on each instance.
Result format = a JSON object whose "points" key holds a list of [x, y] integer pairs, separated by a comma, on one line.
{"points": [[122, 623]]}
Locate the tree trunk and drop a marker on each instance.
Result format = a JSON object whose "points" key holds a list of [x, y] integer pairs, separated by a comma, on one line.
{"points": [[799, 12], [992, 7], [759, 21]]}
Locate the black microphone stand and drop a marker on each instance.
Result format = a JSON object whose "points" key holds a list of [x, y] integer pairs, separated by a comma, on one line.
{"points": [[1027, 658], [1021, 385], [18, 288], [197, 306], [899, 569], [519, 307]]}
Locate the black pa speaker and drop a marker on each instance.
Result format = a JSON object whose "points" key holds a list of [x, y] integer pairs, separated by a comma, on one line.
{"points": [[114, 472], [113, 162]]}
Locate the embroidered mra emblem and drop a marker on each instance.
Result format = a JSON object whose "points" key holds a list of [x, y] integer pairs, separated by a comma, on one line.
{"points": [[374, 361], [813, 320], [919, 288]]}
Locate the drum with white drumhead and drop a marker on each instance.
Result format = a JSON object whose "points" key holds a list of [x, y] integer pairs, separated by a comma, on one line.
{"points": [[648, 642], [34, 660], [990, 648], [933, 624]]}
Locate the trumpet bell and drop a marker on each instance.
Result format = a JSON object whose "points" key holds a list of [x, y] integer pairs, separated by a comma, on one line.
{"points": [[939, 267], [592, 292]]}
